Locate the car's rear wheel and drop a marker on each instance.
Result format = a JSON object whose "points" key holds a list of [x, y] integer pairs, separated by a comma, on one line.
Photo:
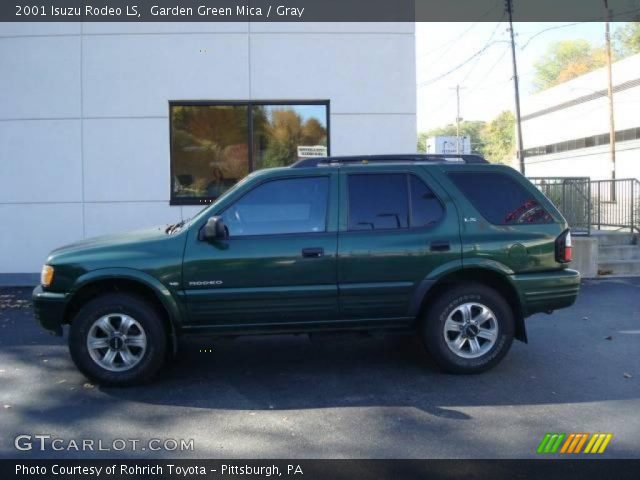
{"points": [[468, 329], [118, 340]]}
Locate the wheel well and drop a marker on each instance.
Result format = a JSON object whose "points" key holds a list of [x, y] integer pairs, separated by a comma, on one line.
{"points": [[121, 285], [486, 277]]}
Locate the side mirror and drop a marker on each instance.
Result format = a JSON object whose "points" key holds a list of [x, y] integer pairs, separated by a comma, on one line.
{"points": [[214, 229]]}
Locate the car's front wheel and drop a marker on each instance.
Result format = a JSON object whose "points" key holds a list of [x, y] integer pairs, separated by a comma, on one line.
{"points": [[468, 329], [117, 340]]}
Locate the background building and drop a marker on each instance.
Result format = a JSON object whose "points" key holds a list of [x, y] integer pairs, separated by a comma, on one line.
{"points": [[566, 128], [107, 127]]}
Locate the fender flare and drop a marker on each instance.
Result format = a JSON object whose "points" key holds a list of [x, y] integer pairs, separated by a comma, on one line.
{"points": [[173, 308], [440, 274]]}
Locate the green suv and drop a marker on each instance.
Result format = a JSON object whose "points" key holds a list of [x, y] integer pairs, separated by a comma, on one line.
{"points": [[450, 247]]}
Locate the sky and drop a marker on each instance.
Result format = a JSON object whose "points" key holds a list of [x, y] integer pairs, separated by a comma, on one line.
{"points": [[486, 86]]}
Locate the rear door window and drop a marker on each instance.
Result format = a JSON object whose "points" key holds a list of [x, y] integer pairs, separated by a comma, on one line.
{"points": [[500, 199], [378, 201], [387, 201], [426, 209]]}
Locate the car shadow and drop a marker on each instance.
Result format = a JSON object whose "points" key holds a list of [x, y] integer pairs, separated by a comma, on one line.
{"points": [[296, 372]]}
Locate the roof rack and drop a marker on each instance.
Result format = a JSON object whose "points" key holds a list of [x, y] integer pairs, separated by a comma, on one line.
{"points": [[364, 159]]}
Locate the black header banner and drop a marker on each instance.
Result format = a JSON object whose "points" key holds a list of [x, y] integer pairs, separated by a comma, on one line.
{"points": [[574, 469], [314, 10]]}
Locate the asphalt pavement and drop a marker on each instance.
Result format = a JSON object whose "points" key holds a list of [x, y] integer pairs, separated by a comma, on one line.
{"points": [[335, 397]]}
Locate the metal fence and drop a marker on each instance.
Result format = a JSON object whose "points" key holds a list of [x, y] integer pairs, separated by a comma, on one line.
{"points": [[588, 204], [616, 203], [572, 196]]}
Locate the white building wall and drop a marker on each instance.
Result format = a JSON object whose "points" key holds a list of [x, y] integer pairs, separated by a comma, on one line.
{"points": [[583, 120], [84, 127]]}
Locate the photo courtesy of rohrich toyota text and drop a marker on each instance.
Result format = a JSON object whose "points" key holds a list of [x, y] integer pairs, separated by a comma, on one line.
{"points": [[319, 239]]}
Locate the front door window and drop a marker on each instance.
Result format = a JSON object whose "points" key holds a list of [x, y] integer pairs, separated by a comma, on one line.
{"points": [[286, 206]]}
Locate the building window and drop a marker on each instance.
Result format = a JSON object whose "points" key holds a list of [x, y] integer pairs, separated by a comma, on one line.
{"points": [[215, 144], [585, 142]]}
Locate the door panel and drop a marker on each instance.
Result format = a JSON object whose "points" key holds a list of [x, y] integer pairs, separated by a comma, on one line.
{"points": [[263, 280], [259, 278], [379, 270]]}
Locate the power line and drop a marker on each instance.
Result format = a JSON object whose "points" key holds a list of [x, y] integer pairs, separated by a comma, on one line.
{"points": [[544, 30], [475, 56], [556, 27], [448, 44], [452, 44], [493, 66], [493, 34], [458, 67]]}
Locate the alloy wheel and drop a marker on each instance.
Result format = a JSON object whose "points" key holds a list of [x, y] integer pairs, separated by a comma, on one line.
{"points": [[471, 330], [116, 342]]}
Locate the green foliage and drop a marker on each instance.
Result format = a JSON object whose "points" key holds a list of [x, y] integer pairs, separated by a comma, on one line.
{"points": [[499, 138], [565, 60], [626, 40], [494, 140], [568, 59]]}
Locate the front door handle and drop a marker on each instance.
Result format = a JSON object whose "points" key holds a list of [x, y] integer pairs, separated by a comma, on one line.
{"points": [[312, 252], [440, 246]]}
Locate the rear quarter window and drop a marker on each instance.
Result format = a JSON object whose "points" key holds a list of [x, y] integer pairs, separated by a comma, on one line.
{"points": [[500, 199]]}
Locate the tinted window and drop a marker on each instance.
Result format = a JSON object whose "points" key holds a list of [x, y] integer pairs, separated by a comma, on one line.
{"points": [[378, 202], [294, 205], [426, 209], [500, 199]]}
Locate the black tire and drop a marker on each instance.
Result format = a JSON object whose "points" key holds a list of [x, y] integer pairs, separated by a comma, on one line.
{"points": [[432, 329], [150, 359]]}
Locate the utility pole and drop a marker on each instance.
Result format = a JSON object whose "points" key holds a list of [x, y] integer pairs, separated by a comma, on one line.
{"points": [[509, 7], [458, 118], [612, 126]]}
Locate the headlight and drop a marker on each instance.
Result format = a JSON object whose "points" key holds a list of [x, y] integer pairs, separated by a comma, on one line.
{"points": [[46, 276]]}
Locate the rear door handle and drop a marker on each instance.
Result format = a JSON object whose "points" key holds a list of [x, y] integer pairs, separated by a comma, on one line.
{"points": [[312, 252], [440, 246]]}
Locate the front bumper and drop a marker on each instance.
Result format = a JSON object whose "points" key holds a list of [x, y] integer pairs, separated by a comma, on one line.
{"points": [[547, 291], [48, 308]]}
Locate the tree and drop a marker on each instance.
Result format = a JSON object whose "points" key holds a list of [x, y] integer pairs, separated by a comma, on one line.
{"points": [[565, 60], [469, 129], [280, 136], [313, 133], [626, 40], [499, 138]]}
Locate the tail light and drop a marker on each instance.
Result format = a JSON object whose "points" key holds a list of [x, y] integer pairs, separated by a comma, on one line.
{"points": [[563, 247]]}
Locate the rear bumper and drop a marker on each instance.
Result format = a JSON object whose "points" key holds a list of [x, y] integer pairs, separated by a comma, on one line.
{"points": [[48, 308], [547, 291]]}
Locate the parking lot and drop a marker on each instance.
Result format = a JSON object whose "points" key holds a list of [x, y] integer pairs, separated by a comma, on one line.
{"points": [[340, 397]]}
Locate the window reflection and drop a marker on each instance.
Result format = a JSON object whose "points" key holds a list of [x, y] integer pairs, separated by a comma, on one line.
{"points": [[209, 149], [210, 143], [283, 134]]}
